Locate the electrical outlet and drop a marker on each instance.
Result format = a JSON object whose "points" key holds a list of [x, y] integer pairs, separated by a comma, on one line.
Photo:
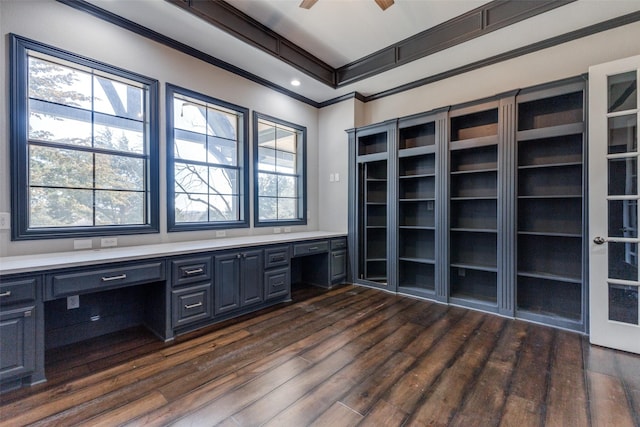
{"points": [[221, 233], [332, 177], [287, 229], [109, 242], [5, 219], [337, 175], [276, 230], [73, 302]]}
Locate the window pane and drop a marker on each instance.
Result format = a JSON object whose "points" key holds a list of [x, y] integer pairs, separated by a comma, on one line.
{"points": [[623, 92], [266, 135], [223, 208], [286, 140], [286, 162], [623, 135], [56, 167], [623, 304], [191, 179], [55, 123], [287, 209], [267, 184], [119, 173], [287, 186], [222, 151], [59, 84], [114, 133], [190, 146], [623, 261], [190, 116], [623, 218], [223, 181], [118, 99], [268, 208], [57, 207], [191, 208], [223, 124], [622, 177], [266, 159], [119, 208]]}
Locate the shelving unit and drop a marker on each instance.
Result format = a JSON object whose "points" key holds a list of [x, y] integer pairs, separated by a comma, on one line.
{"points": [[473, 209], [417, 174], [372, 147], [550, 205]]}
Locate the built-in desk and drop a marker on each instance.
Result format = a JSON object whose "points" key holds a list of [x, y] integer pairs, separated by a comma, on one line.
{"points": [[170, 288]]}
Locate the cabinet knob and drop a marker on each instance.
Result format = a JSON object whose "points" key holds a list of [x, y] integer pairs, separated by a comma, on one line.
{"points": [[599, 240], [5, 294]]}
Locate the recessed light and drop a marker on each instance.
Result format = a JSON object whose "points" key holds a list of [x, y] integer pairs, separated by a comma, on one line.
{"points": [[295, 82]]}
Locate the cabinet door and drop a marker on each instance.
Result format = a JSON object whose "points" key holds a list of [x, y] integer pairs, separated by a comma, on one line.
{"points": [[338, 265], [252, 276], [17, 342], [227, 283]]}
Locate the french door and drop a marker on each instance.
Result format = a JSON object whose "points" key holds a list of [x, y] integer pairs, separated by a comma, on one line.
{"points": [[613, 204]]}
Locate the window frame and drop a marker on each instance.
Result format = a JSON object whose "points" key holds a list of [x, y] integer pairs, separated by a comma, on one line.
{"points": [[19, 146], [243, 163], [302, 182]]}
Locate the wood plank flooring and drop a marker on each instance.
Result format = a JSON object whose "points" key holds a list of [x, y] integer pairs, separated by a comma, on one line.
{"points": [[345, 357]]}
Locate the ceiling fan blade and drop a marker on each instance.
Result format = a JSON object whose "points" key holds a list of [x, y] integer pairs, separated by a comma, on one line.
{"points": [[306, 4], [384, 4]]}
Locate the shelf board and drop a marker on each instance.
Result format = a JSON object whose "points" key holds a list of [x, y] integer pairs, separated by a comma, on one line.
{"points": [[376, 179], [474, 230], [417, 176], [379, 227], [482, 141], [418, 260], [549, 165], [549, 234], [416, 151], [454, 199], [419, 199], [376, 260], [552, 196], [472, 171], [550, 132], [549, 276], [376, 203], [416, 227], [479, 267]]}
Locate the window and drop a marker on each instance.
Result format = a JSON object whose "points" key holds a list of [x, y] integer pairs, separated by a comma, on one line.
{"points": [[84, 146], [280, 182], [207, 178]]}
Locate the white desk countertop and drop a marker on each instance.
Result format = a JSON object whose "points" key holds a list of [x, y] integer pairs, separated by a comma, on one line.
{"points": [[51, 261]]}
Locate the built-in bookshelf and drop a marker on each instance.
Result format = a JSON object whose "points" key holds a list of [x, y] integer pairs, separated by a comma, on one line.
{"points": [[550, 204], [416, 207], [473, 209]]}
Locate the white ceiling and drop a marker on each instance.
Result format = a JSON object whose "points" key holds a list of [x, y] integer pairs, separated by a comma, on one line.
{"points": [[342, 31]]}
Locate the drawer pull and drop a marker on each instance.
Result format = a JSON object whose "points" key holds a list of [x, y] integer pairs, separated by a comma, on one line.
{"points": [[279, 284], [315, 248], [190, 306], [194, 271], [118, 277], [277, 259], [5, 294]]}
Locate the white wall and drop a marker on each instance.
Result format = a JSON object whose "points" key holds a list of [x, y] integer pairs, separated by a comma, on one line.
{"points": [[53, 23]]}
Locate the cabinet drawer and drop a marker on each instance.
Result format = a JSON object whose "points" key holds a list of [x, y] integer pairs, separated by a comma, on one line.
{"points": [[311, 248], [276, 257], [190, 305], [277, 283], [190, 270], [59, 285], [18, 291], [338, 244]]}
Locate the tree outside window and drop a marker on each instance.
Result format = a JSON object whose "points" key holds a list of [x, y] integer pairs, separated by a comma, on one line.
{"points": [[82, 165], [207, 178], [280, 166]]}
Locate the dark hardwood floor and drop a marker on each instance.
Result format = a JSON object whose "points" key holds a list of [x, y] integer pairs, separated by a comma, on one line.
{"points": [[349, 356]]}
